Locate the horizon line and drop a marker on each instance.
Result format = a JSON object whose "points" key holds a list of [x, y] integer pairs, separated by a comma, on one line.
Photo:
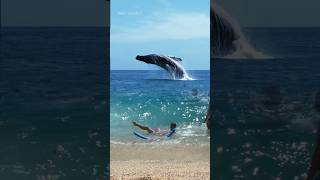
{"points": [[56, 26], [318, 26], [108, 26], [155, 70]]}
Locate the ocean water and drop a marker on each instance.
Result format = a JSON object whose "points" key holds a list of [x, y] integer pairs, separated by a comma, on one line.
{"points": [[265, 110], [53, 103], [152, 98]]}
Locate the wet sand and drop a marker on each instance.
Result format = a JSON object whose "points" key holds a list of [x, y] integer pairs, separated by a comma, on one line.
{"points": [[151, 162]]}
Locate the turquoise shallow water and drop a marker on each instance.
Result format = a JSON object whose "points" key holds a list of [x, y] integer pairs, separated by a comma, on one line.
{"points": [[153, 99]]}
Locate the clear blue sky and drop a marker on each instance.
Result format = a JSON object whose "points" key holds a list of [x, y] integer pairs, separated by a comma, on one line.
{"points": [[179, 28]]}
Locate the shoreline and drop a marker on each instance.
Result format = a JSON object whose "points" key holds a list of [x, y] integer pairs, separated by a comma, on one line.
{"points": [[158, 161]]}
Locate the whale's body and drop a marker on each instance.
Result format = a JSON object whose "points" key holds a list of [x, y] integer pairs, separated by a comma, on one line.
{"points": [[227, 39], [168, 63], [223, 32]]}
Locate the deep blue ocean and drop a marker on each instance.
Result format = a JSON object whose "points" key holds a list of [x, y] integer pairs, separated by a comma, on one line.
{"points": [[54, 103], [152, 98], [265, 111]]}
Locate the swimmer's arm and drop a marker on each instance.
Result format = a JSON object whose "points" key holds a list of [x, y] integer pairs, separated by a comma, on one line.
{"points": [[163, 133]]}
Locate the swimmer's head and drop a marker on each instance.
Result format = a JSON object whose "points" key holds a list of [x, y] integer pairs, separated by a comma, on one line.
{"points": [[173, 125]]}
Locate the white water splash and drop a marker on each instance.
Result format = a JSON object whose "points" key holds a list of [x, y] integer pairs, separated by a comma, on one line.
{"points": [[172, 72]]}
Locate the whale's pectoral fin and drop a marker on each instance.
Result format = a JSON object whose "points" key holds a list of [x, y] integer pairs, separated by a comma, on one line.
{"points": [[175, 58]]}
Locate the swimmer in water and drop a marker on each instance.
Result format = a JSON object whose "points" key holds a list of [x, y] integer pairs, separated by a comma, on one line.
{"points": [[157, 131]]}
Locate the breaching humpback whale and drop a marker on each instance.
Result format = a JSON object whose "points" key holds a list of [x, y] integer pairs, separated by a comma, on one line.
{"points": [[168, 63], [227, 38], [223, 32]]}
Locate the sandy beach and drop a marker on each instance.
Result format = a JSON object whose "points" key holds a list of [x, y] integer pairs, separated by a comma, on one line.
{"points": [[145, 161]]}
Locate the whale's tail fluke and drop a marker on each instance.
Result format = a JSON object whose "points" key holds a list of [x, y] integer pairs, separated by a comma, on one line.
{"points": [[170, 64]]}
